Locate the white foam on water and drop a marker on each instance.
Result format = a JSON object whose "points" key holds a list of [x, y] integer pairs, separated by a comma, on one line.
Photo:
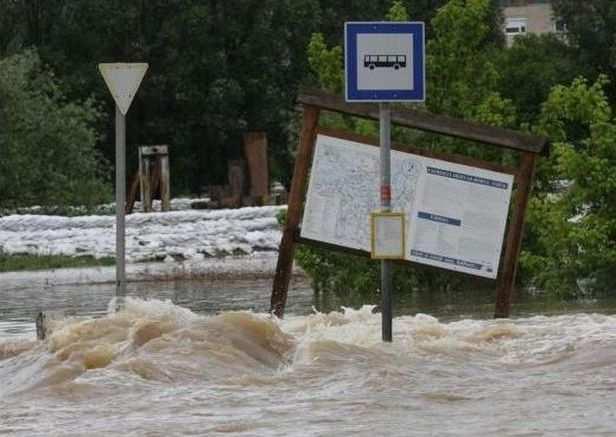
{"points": [[522, 342]]}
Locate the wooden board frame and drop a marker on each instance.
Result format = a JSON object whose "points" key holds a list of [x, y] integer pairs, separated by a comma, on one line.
{"points": [[313, 102]]}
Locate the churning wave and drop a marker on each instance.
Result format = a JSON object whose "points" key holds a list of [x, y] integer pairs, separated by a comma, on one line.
{"points": [[162, 343]]}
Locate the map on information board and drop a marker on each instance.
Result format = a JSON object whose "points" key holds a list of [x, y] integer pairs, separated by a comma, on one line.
{"points": [[456, 214]]}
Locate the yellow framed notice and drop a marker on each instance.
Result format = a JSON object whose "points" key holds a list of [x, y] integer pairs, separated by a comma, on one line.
{"points": [[387, 235]]}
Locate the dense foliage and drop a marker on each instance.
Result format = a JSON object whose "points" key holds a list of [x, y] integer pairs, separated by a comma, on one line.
{"points": [[574, 223], [591, 33], [217, 68], [46, 143]]}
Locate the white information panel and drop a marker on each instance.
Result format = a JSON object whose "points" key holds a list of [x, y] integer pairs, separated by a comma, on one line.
{"points": [[455, 214]]}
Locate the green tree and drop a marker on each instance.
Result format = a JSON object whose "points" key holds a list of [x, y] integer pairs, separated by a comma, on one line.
{"points": [[46, 142], [574, 225], [591, 32], [463, 78], [530, 68], [326, 63], [397, 12]]}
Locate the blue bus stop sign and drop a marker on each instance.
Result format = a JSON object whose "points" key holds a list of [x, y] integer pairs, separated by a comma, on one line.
{"points": [[384, 61]]}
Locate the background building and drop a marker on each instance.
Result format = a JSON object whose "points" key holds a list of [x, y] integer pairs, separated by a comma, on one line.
{"points": [[529, 16]]}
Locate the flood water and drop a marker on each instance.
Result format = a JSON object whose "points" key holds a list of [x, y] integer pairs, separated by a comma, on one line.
{"points": [[203, 358]]}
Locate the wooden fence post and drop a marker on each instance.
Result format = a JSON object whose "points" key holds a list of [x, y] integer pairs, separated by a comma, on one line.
{"points": [[165, 191], [296, 196], [146, 188], [506, 280], [140, 177], [255, 151]]}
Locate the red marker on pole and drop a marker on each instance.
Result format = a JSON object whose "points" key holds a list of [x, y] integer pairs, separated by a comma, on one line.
{"points": [[386, 194]]}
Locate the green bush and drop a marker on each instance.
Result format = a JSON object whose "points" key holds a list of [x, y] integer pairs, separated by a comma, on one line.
{"points": [[47, 143], [571, 246]]}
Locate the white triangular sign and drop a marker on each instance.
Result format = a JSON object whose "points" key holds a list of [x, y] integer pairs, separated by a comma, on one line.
{"points": [[123, 81]]}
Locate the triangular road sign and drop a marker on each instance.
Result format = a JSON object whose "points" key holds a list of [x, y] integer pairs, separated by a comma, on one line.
{"points": [[123, 81]]}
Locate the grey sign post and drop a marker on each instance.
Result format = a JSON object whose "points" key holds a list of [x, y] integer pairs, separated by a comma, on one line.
{"points": [[120, 180], [123, 81], [385, 173], [384, 62]]}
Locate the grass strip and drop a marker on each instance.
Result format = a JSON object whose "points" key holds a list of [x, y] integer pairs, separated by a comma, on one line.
{"points": [[15, 263]]}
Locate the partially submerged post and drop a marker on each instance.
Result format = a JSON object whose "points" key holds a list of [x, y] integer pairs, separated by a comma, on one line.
{"points": [[43, 321], [384, 62], [41, 329], [385, 193], [123, 81], [290, 233], [315, 102], [120, 180]]}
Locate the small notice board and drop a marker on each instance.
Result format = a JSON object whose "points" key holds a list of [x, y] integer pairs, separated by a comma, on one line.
{"points": [[387, 235]]}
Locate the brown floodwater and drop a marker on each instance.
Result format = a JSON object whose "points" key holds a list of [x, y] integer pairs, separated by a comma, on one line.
{"points": [[204, 358]]}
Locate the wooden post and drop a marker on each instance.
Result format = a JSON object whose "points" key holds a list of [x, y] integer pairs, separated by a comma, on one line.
{"points": [[146, 190], [132, 194], [296, 196], [255, 151], [506, 280], [41, 328], [165, 192], [140, 175], [236, 185], [154, 178]]}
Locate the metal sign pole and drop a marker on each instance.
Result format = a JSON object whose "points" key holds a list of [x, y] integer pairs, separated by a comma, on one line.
{"points": [[386, 279], [120, 151], [384, 70], [123, 80]]}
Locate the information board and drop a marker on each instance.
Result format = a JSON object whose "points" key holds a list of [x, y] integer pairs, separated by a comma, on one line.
{"points": [[456, 214]]}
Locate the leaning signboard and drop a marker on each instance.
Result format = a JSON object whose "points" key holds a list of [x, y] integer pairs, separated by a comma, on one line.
{"points": [[456, 214]]}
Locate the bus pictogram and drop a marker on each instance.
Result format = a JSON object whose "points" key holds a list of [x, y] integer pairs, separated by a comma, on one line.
{"points": [[385, 61]]}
